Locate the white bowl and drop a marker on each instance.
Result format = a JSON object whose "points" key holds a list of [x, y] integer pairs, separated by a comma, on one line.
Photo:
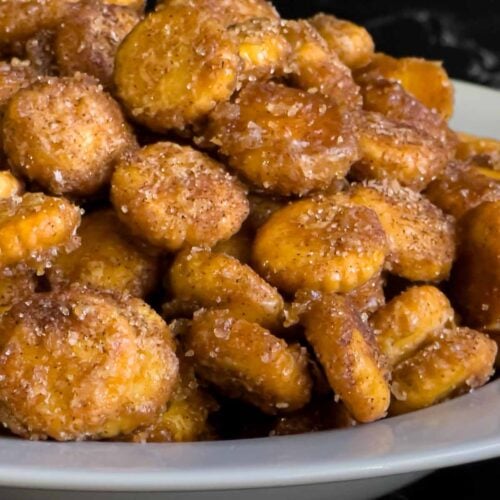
{"points": [[351, 464]]}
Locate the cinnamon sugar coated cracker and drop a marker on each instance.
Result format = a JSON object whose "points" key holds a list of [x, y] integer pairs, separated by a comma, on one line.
{"points": [[87, 41], [34, 228], [282, 140], [200, 278], [229, 12], [216, 223], [245, 360], [21, 19], [107, 258], [420, 237], [345, 347], [173, 196], [175, 66], [80, 364], [65, 134], [320, 244], [394, 150]]}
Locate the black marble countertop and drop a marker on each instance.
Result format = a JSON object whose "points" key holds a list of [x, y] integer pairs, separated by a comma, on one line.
{"points": [[467, 482]]}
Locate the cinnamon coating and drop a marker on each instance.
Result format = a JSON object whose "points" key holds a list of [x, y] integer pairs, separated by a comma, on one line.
{"points": [[244, 360], [175, 66], [87, 41], [200, 278], [77, 364], [320, 244], [284, 141], [65, 134], [347, 351], [173, 197]]}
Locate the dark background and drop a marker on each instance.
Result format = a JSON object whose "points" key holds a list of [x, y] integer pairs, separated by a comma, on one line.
{"points": [[465, 35]]}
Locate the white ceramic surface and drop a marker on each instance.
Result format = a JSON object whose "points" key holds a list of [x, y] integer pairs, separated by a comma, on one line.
{"points": [[353, 464]]}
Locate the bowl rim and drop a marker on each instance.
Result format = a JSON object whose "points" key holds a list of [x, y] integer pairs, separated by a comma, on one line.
{"points": [[462, 430]]}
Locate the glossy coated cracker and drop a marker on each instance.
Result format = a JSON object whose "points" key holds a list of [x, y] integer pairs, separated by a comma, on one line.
{"points": [[426, 80], [185, 418], [107, 258], [409, 320], [34, 228], [321, 244], [262, 48], [421, 238], [65, 134], [459, 360], [463, 186], [77, 364], [351, 42], [173, 197], [229, 12], [201, 278], [315, 68], [346, 349], [175, 66], [87, 41], [393, 101], [283, 140], [397, 151], [21, 19], [476, 274], [244, 360]]}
